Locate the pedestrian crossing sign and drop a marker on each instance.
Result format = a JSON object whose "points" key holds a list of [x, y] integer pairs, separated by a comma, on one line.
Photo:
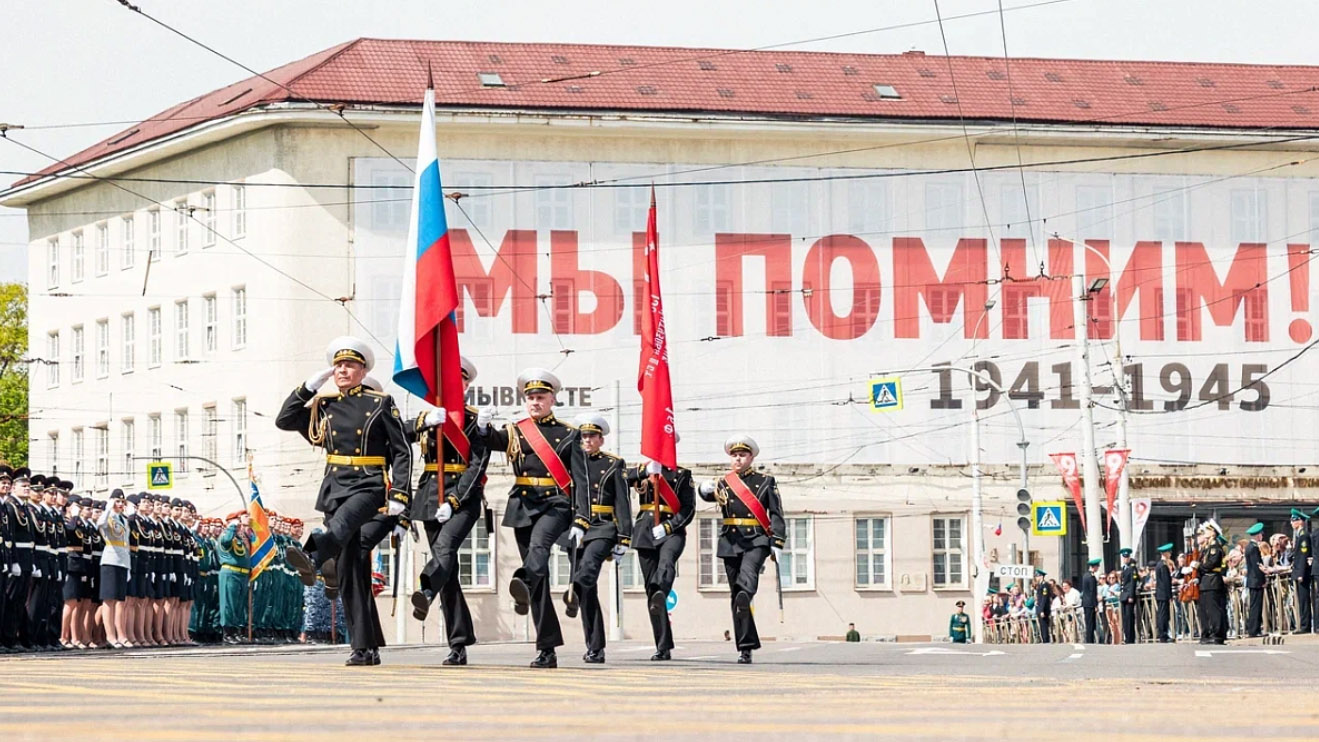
{"points": [[886, 394], [160, 475], [1049, 518]]}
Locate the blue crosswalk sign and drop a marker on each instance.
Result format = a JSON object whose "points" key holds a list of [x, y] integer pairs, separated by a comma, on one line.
{"points": [[886, 394], [1049, 518]]}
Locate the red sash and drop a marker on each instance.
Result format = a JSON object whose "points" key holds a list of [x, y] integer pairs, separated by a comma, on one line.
{"points": [[546, 453], [749, 499], [667, 494], [457, 438]]}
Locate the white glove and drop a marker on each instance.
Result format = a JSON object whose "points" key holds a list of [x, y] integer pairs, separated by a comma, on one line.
{"points": [[658, 533], [14, 570], [778, 554], [707, 487], [153, 576], [620, 551], [36, 573], [318, 379], [395, 508], [576, 535], [400, 533], [173, 578], [84, 578], [1195, 565], [435, 418], [654, 467], [484, 417], [444, 513]]}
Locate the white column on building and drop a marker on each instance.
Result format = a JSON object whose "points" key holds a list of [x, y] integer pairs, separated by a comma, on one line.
{"points": [[1089, 466]]}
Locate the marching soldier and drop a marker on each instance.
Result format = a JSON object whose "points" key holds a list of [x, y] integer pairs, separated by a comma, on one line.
{"points": [[602, 529], [448, 514], [1163, 571], [668, 504], [1127, 597], [752, 531], [368, 467], [1213, 591], [1302, 575], [550, 471]]}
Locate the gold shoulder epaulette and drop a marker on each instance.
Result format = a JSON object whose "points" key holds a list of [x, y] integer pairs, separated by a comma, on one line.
{"points": [[373, 392], [471, 409]]}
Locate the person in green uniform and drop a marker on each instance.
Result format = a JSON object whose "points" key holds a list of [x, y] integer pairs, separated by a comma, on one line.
{"points": [[852, 634], [959, 626], [235, 549]]}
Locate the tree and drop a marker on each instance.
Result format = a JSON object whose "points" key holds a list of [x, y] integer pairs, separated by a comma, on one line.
{"points": [[13, 374]]}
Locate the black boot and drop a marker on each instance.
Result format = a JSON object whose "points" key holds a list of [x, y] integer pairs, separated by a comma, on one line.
{"points": [[744, 658], [298, 559], [546, 659], [359, 658], [330, 573], [570, 605], [421, 604], [596, 657], [374, 654], [457, 656], [661, 656], [657, 604], [521, 594]]}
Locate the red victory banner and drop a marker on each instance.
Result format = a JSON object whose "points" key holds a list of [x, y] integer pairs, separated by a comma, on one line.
{"points": [[1114, 462], [658, 432], [1066, 463]]}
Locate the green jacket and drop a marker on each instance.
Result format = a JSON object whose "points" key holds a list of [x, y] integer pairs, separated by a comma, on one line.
{"points": [[234, 550]]}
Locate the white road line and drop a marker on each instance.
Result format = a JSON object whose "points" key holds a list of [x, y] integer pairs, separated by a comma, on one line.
{"points": [[1212, 652], [1079, 647], [1077, 655], [789, 649], [704, 657], [634, 649]]}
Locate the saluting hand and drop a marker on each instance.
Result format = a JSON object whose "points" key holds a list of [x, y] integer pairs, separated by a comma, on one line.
{"points": [[318, 379]]}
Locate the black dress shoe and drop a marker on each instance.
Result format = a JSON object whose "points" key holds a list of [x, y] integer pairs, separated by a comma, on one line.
{"points": [[744, 658], [374, 655], [661, 656], [457, 656], [299, 560], [742, 603], [421, 604], [594, 658], [570, 603], [359, 658], [521, 594], [657, 604], [330, 572], [546, 659]]}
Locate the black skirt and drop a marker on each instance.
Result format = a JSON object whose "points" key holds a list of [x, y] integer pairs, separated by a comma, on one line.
{"points": [[114, 582]]}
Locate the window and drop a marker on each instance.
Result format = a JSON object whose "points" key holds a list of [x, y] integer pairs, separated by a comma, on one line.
{"points": [[157, 432], [240, 316], [781, 309], [78, 257], [710, 573], [630, 572], [1018, 213], [943, 206], [53, 450], [478, 209], [1170, 217], [476, 559], [560, 568], [52, 359], [78, 454], [78, 351], [181, 330], [391, 201], [723, 308], [102, 348], [872, 559], [948, 555], [561, 305], [631, 207], [797, 562], [711, 213], [128, 350], [153, 235], [102, 249], [181, 440], [553, 205], [210, 435], [1249, 215], [212, 330], [867, 206], [240, 431], [240, 211], [790, 208], [126, 257], [154, 332], [208, 219], [101, 439], [52, 263], [1094, 212], [1255, 309], [181, 219], [128, 442]]}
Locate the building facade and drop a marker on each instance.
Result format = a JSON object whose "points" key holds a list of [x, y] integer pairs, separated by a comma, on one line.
{"points": [[825, 221]]}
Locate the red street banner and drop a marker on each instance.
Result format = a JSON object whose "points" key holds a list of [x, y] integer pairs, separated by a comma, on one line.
{"points": [[1114, 462], [1066, 463], [658, 433]]}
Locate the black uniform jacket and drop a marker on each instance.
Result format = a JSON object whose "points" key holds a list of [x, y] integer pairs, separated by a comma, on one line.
{"points": [[744, 533], [1211, 567], [606, 511], [464, 481], [534, 492], [680, 480]]}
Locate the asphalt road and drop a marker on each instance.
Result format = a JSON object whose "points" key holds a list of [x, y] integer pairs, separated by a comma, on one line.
{"points": [[802, 691]]}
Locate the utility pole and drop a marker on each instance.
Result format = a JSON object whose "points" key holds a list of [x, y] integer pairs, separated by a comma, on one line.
{"points": [[977, 517], [1094, 534]]}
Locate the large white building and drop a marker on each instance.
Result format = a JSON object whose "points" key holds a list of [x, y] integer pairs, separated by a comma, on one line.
{"points": [[825, 220]]}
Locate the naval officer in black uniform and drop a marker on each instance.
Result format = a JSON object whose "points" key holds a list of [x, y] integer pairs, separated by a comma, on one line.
{"points": [[752, 530], [368, 468], [1213, 591], [549, 470], [1127, 597], [659, 541], [602, 529], [448, 515]]}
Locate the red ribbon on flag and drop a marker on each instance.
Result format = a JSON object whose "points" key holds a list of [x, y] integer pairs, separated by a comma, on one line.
{"points": [[1066, 463], [658, 431], [1115, 460]]}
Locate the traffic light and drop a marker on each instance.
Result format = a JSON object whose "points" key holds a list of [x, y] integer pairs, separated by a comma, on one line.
{"points": [[1023, 509]]}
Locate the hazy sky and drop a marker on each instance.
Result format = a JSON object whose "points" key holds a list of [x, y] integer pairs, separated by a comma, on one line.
{"points": [[87, 61]]}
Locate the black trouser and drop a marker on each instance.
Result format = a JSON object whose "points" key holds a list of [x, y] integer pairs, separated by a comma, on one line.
{"points": [[1303, 606], [659, 568], [440, 575], [743, 573], [534, 542], [1129, 622], [38, 613], [1213, 615], [586, 581], [345, 539], [1091, 617], [55, 608], [1255, 616], [1162, 620], [1043, 620]]}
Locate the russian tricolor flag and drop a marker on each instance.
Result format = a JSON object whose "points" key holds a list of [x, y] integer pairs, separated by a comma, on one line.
{"points": [[426, 360]]}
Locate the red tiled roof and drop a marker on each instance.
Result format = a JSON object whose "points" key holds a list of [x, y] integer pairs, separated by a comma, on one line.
{"points": [[762, 83]]}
